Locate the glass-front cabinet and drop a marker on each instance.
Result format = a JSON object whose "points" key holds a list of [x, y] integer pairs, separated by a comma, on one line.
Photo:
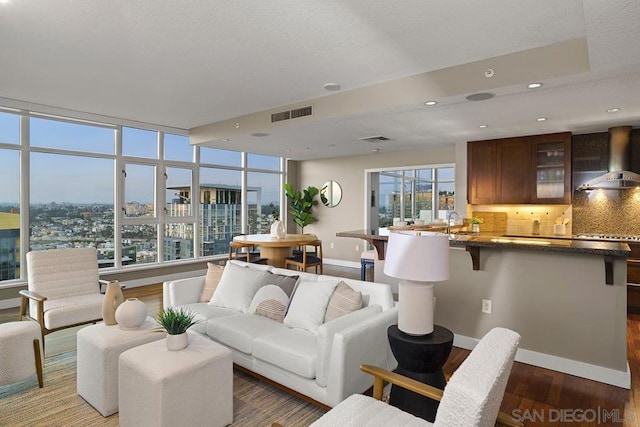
{"points": [[552, 168]]}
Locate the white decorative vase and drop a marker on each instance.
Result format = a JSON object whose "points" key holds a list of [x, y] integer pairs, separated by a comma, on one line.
{"points": [[277, 230], [112, 299], [131, 313], [177, 342]]}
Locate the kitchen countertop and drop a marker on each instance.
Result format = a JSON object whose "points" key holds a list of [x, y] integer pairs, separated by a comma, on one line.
{"points": [[492, 240]]}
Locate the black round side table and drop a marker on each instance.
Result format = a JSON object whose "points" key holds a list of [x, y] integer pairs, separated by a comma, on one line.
{"points": [[421, 358]]}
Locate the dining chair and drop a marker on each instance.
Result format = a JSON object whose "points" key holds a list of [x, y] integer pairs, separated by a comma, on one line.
{"points": [[305, 259], [245, 252]]}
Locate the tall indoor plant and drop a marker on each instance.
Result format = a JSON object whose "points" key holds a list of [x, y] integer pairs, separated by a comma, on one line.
{"points": [[301, 203]]}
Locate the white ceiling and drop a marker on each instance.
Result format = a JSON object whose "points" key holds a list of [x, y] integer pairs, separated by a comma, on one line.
{"points": [[189, 63]]}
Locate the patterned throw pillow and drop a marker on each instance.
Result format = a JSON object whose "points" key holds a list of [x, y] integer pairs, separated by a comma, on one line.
{"points": [[270, 301], [286, 283], [344, 300], [211, 280]]}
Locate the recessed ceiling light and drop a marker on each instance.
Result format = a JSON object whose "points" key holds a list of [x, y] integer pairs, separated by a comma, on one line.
{"points": [[224, 140], [483, 126], [332, 87], [534, 85], [541, 119], [375, 150], [288, 150], [613, 110], [259, 134], [430, 103], [4, 1]]}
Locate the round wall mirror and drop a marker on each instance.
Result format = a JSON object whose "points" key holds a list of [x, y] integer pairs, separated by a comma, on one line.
{"points": [[331, 194]]}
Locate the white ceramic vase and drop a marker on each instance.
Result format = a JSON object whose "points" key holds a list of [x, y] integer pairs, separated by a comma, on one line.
{"points": [[177, 342], [112, 299], [277, 230], [475, 228], [131, 313]]}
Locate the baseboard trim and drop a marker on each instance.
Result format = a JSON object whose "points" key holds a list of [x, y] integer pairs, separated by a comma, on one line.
{"points": [[341, 263], [9, 303], [561, 364]]}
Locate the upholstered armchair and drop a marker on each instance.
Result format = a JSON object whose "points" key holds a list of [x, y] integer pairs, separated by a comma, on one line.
{"points": [[63, 289], [472, 397]]}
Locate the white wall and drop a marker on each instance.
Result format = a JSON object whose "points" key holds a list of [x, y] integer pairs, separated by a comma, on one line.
{"points": [[349, 173]]}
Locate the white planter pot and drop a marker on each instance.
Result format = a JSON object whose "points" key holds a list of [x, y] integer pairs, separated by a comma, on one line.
{"points": [[131, 313], [177, 342], [475, 228]]}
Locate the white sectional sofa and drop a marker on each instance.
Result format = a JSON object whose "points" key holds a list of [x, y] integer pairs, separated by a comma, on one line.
{"points": [[321, 363]]}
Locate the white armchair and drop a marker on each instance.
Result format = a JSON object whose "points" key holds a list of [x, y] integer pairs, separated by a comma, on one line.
{"points": [[471, 398], [63, 289]]}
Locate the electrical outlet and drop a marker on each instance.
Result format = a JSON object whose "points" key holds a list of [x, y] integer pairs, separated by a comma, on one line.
{"points": [[486, 306], [357, 248], [332, 245]]}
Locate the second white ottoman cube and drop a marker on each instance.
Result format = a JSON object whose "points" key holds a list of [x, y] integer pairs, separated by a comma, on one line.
{"points": [[189, 387], [99, 347]]}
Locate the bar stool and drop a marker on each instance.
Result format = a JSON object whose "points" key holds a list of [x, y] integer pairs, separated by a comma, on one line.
{"points": [[367, 259]]}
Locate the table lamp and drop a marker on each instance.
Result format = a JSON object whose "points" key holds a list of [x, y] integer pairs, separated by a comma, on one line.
{"points": [[418, 259]]}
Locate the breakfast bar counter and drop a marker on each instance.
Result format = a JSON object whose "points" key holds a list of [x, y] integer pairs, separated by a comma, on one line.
{"points": [[565, 296]]}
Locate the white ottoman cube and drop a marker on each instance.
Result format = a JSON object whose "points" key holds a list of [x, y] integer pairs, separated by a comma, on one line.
{"points": [[99, 347], [189, 387]]}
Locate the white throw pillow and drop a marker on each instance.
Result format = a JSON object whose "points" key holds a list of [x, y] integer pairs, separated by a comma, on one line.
{"points": [[270, 301], [237, 287], [309, 304]]}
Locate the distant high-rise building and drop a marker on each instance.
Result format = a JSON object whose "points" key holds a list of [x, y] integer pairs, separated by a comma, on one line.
{"points": [[9, 245]]}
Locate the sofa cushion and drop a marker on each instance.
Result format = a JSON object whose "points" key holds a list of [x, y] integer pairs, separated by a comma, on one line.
{"points": [[204, 312], [309, 304], [240, 331], [344, 300], [211, 280], [270, 301], [237, 287], [293, 350]]}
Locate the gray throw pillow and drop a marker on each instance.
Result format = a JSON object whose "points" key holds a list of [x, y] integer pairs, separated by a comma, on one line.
{"points": [[286, 283]]}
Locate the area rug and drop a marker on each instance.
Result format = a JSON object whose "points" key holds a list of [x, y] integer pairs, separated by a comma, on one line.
{"points": [[255, 403]]}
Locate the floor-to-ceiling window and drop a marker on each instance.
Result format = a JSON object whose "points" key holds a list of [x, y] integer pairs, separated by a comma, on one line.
{"points": [[407, 194], [139, 196]]}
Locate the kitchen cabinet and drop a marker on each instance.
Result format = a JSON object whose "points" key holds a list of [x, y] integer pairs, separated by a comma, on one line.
{"points": [[551, 156], [521, 170]]}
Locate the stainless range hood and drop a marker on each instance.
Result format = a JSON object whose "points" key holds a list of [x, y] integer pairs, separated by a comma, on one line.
{"points": [[619, 176]]}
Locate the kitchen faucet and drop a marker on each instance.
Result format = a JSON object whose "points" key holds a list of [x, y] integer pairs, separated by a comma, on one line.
{"points": [[449, 215]]}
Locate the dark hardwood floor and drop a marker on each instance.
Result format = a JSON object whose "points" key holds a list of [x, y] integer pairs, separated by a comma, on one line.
{"points": [[534, 392]]}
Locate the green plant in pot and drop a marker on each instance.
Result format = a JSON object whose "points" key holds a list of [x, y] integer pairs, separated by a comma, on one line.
{"points": [[475, 224], [175, 322], [301, 204]]}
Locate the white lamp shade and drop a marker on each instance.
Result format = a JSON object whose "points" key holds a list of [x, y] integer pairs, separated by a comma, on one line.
{"points": [[420, 257]]}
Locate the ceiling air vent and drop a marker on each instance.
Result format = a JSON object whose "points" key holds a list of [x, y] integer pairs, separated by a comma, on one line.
{"points": [[301, 112], [278, 117], [376, 138], [292, 114]]}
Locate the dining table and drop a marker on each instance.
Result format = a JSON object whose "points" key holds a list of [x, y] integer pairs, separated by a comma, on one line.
{"points": [[275, 249]]}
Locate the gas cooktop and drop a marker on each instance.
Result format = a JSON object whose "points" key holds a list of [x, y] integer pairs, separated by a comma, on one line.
{"points": [[610, 237]]}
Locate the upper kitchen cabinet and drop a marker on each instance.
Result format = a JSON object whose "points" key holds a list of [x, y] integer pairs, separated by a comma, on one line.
{"points": [[481, 172], [522, 170], [552, 168]]}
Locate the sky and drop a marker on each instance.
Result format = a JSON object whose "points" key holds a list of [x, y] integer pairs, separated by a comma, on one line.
{"points": [[89, 178]]}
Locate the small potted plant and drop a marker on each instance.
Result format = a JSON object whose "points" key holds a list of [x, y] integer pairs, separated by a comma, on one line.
{"points": [[475, 224], [175, 322]]}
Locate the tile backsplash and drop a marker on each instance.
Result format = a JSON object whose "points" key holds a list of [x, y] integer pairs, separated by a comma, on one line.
{"points": [[607, 211], [520, 218]]}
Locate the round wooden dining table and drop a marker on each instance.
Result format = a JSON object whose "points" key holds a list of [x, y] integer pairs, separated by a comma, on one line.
{"points": [[274, 249]]}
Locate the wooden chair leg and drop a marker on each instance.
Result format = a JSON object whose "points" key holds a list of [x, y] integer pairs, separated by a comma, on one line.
{"points": [[23, 307], [38, 355]]}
